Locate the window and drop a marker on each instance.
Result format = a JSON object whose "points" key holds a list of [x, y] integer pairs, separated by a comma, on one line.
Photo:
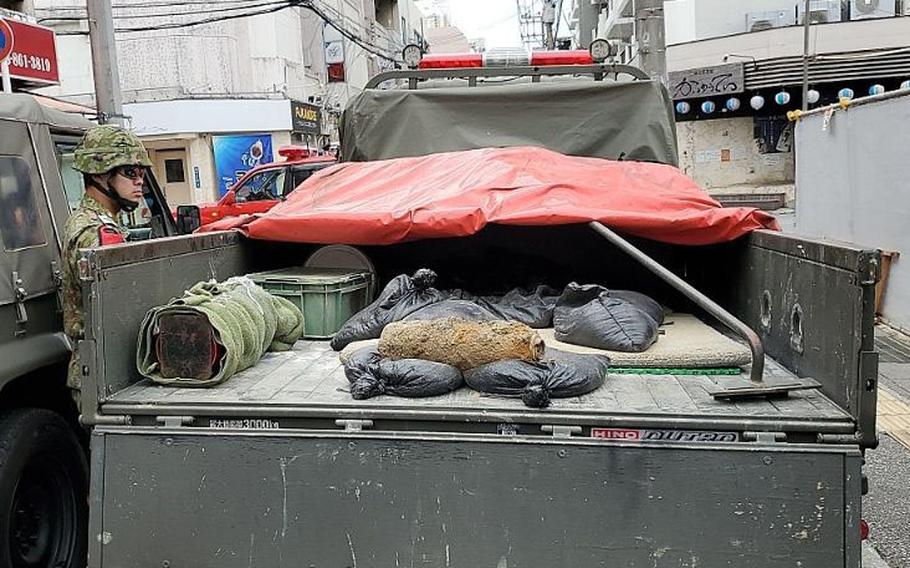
{"points": [[174, 171], [72, 180], [772, 134], [268, 184], [20, 225], [300, 175]]}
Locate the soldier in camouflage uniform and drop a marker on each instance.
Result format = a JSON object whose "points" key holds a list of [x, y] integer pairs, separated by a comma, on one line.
{"points": [[113, 163]]}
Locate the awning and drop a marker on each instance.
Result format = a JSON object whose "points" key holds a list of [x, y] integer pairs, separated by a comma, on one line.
{"points": [[828, 68]]}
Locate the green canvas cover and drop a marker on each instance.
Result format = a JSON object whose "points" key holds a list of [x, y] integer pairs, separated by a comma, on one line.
{"points": [[578, 117]]}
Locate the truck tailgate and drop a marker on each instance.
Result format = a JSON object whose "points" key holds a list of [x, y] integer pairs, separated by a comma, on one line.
{"points": [[359, 499]]}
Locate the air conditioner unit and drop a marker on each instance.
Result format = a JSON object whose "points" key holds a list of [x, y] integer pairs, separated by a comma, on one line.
{"points": [[758, 21], [821, 11], [866, 9]]}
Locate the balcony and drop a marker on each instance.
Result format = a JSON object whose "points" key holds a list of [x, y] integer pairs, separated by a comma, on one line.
{"points": [[619, 23]]}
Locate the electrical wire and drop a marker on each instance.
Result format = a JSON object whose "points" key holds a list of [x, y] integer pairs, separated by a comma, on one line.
{"points": [[349, 21], [371, 48], [169, 14], [284, 4], [267, 8]]}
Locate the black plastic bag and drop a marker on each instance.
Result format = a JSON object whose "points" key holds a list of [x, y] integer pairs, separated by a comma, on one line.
{"points": [[402, 296], [619, 320], [460, 309], [534, 308], [559, 375], [371, 375]]}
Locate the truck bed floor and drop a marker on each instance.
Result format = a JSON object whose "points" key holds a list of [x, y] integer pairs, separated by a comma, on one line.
{"points": [[311, 377]]}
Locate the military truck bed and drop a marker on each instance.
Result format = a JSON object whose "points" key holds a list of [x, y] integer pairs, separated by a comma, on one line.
{"points": [[279, 462], [310, 380]]}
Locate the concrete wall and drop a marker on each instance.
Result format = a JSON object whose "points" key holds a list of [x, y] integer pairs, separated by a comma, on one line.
{"points": [[787, 42], [197, 115], [690, 20], [202, 156], [357, 62], [853, 181], [721, 153], [258, 55]]}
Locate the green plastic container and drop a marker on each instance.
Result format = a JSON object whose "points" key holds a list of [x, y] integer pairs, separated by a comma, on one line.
{"points": [[328, 297]]}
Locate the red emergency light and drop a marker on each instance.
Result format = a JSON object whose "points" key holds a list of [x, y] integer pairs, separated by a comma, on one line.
{"points": [[451, 61], [294, 153], [500, 59]]}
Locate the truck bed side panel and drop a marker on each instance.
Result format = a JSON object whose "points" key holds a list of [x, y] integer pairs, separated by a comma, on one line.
{"points": [[232, 498], [131, 286], [812, 303]]}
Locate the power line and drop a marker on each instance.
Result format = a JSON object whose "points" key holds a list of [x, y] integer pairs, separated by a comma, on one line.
{"points": [[171, 26], [267, 8], [169, 14], [362, 28], [367, 46]]}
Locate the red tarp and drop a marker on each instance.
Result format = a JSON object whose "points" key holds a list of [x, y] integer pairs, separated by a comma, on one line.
{"points": [[457, 193]]}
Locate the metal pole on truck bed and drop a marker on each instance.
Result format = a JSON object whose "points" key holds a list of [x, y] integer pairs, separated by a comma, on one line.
{"points": [[689, 291], [756, 386]]}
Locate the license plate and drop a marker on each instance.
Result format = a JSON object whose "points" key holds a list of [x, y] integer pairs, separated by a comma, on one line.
{"points": [[663, 435]]}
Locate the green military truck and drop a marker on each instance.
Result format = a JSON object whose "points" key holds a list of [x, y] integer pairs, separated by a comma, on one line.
{"points": [[280, 466], [43, 448]]}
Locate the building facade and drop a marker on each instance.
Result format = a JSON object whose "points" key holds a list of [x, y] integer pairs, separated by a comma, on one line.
{"points": [[735, 69], [231, 75]]}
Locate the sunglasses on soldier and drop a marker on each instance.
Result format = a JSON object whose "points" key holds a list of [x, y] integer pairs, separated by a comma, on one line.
{"points": [[131, 172]]}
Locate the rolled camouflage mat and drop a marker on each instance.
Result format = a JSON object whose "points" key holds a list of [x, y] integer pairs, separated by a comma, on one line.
{"points": [[214, 331], [461, 343]]}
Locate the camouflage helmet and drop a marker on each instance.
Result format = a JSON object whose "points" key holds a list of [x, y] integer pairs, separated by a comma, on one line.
{"points": [[104, 148]]}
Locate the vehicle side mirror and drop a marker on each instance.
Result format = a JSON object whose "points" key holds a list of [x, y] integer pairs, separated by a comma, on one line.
{"points": [[188, 219]]}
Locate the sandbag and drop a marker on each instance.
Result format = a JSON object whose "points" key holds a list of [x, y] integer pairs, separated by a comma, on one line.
{"points": [[459, 309], [558, 375], [401, 297], [246, 322], [533, 308], [371, 375], [462, 343], [593, 316]]}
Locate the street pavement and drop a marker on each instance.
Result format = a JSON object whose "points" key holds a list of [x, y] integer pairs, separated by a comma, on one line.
{"points": [[887, 506]]}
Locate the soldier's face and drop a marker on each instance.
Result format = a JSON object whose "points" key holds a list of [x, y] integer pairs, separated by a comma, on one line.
{"points": [[127, 181]]}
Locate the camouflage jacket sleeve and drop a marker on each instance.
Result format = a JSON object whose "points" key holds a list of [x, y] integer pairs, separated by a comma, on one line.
{"points": [[73, 319], [87, 237]]}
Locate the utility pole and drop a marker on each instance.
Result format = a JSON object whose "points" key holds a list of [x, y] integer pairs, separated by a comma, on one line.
{"points": [[587, 21], [104, 62], [651, 38], [806, 23], [548, 17]]}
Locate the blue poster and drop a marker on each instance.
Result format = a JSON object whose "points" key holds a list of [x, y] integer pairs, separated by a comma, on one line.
{"points": [[235, 155]]}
